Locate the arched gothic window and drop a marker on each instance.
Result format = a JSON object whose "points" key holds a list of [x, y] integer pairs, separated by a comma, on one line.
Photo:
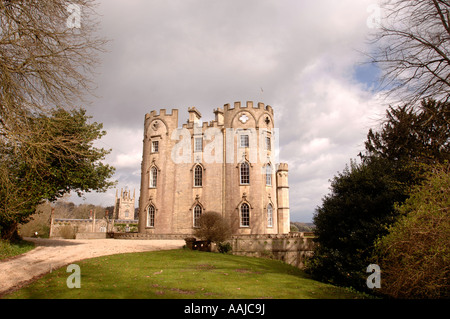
{"points": [[245, 215]]}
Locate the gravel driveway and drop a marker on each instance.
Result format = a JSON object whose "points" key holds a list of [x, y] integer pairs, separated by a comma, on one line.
{"points": [[51, 254]]}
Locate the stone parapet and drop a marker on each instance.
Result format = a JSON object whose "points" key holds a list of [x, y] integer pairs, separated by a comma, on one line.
{"points": [[145, 236], [292, 248]]}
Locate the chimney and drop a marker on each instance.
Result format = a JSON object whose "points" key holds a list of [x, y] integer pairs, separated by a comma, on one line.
{"points": [[219, 116], [194, 115]]}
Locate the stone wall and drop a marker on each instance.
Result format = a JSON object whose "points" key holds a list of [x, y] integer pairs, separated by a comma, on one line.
{"points": [[145, 236], [291, 248], [91, 235], [89, 228]]}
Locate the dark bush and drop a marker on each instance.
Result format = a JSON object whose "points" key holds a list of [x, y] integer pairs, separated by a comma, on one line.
{"points": [[224, 248]]}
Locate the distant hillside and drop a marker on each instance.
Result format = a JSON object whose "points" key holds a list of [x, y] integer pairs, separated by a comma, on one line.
{"points": [[303, 227]]}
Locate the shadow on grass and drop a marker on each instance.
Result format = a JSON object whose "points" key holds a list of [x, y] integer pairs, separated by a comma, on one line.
{"points": [[10, 250], [46, 242]]}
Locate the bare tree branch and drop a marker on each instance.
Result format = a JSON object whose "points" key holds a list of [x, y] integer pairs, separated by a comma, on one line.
{"points": [[413, 50], [46, 65], [43, 63]]}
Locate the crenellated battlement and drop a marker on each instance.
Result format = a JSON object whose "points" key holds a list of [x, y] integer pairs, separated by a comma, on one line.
{"points": [[204, 125], [246, 106], [219, 112], [162, 113]]}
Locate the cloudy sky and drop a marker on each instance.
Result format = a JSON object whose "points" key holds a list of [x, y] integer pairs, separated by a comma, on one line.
{"points": [[302, 57]]}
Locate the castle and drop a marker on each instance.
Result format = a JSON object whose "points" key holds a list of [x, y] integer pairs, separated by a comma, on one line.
{"points": [[227, 166]]}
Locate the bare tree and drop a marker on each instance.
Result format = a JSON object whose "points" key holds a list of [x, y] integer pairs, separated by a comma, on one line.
{"points": [[48, 53], [413, 50], [213, 228], [46, 59]]}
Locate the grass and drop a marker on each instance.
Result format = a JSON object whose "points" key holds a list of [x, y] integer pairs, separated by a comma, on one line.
{"points": [[11, 249], [179, 274]]}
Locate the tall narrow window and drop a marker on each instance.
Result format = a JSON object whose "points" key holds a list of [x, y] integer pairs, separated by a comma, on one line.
{"points": [[245, 173], [268, 144], [268, 175], [198, 176], [153, 177], [151, 216], [197, 214], [198, 144], [245, 215], [269, 215]]}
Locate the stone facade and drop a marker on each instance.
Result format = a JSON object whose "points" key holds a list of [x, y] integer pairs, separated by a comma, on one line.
{"points": [[291, 248], [227, 166], [124, 205], [90, 228], [61, 225], [121, 221]]}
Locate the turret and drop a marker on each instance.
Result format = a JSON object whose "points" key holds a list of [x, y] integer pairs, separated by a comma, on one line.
{"points": [[283, 199]]}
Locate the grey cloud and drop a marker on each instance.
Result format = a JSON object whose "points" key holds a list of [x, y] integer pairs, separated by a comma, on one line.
{"points": [[297, 56]]}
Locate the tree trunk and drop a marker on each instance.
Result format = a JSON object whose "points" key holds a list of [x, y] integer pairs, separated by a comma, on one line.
{"points": [[9, 232]]}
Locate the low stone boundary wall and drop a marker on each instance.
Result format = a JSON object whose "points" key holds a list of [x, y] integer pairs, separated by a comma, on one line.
{"points": [[140, 236], [88, 228], [291, 248], [90, 236]]}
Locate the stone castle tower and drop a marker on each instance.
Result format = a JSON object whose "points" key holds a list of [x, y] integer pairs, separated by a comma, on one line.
{"points": [[124, 205], [227, 165]]}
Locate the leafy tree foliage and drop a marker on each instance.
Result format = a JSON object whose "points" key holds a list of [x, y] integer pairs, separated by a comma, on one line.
{"points": [[351, 217], [57, 159], [413, 136], [46, 66], [360, 207], [414, 257]]}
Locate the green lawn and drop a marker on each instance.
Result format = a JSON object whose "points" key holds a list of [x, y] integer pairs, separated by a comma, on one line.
{"points": [[8, 249], [183, 274]]}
